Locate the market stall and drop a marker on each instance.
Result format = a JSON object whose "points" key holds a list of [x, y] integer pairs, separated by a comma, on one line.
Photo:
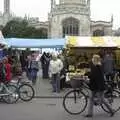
{"points": [[117, 51], [81, 49]]}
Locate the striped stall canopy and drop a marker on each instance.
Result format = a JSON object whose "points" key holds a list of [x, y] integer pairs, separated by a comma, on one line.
{"points": [[106, 41], [117, 41]]}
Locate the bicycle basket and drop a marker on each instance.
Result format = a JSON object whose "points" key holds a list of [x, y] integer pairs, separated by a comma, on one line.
{"points": [[76, 82]]}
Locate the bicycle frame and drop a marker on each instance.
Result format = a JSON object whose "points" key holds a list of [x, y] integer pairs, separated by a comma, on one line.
{"points": [[96, 100], [4, 87]]}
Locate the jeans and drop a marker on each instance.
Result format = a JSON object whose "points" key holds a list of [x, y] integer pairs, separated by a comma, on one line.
{"points": [[56, 82], [33, 75], [28, 73]]}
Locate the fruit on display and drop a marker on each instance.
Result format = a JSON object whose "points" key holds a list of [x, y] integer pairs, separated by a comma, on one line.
{"points": [[71, 68]]}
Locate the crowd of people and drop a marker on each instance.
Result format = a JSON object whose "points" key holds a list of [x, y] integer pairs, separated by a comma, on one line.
{"points": [[54, 67], [17, 62]]}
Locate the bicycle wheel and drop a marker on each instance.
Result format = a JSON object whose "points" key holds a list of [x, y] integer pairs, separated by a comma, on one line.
{"points": [[75, 102], [118, 82], [86, 91], [11, 94], [26, 92], [113, 100]]}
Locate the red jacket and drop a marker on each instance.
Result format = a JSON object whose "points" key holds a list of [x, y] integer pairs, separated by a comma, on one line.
{"points": [[8, 71]]}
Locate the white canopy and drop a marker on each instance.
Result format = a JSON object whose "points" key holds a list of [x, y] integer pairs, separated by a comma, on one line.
{"points": [[82, 41], [2, 41]]}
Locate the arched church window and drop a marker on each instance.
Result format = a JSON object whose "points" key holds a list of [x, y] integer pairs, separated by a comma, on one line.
{"points": [[98, 33], [70, 27]]}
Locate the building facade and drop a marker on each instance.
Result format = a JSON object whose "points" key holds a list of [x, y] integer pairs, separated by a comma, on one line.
{"points": [[72, 17], [68, 17]]}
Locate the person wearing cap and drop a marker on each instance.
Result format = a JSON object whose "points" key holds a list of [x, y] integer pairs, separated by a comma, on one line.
{"points": [[55, 68]]}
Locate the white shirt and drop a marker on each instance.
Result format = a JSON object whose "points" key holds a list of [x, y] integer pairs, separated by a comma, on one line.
{"points": [[55, 66]]}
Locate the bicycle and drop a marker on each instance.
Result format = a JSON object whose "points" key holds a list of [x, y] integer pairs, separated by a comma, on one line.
{"points": [[26, 91], [76, 100], [8, 93]]}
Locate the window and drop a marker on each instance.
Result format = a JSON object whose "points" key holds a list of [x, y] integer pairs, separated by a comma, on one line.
{"points": [[70, 27], [98, 33]]}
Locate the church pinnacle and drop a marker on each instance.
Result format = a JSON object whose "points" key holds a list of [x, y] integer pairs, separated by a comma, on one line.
{"points": [[6, 6]]}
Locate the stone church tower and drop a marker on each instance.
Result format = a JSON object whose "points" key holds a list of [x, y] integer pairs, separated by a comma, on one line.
{"points": [[69, 17], [6, 16], [6, 6]]}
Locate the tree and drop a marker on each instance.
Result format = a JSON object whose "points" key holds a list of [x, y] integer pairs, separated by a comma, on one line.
{"points": [[21, 29], [40, 33]]}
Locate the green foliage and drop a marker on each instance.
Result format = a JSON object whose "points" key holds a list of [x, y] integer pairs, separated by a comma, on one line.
{"points": [[21, 29]]}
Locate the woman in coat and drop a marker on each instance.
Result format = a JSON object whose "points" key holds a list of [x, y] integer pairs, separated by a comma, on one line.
{"points": [[7, 69], [97, 85]]}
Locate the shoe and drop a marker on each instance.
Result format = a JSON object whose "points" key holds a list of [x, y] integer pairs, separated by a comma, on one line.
{"points": [[89, 116], [112, 114], [58, 91], [53, 91]]}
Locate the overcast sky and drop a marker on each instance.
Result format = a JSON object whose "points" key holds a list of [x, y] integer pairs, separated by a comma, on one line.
{"points": [[100, 9]]}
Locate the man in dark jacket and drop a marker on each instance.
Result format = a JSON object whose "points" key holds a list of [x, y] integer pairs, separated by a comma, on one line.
{"points": [[44, 64], [97, 85], [108, 66]]}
